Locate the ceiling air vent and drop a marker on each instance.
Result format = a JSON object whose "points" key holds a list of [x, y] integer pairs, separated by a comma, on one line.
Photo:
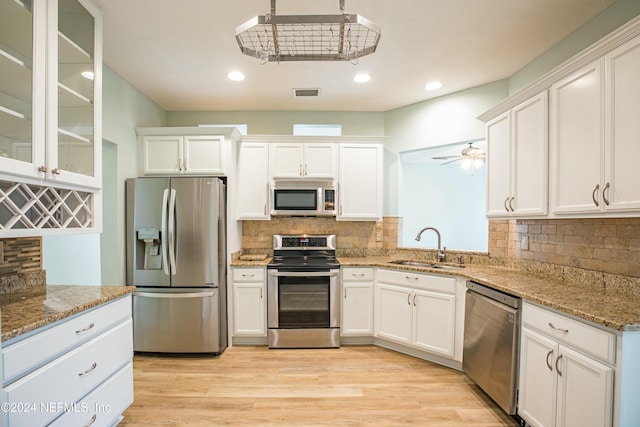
{"points": [[306, 92]]}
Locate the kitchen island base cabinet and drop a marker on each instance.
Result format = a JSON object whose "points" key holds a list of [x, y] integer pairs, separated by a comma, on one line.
{"points": [[90, 378]]}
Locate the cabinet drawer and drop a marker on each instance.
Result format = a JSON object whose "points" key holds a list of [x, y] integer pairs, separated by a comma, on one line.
{"points": [[70, 377], [28, 354], [417, 280], [589, 339], [248, 274], [356, 274], [103, 406]]}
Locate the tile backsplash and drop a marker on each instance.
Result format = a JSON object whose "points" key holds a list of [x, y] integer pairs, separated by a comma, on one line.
{"points": [[609, 245], [21, 264], [257, 235], [21, 255]]}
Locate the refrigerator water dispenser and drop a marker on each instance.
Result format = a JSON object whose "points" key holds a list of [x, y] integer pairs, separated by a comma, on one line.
{"points": [[150, 236]]}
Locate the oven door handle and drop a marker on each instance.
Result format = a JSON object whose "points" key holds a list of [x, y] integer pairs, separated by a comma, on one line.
{"points": [[303, 273]]}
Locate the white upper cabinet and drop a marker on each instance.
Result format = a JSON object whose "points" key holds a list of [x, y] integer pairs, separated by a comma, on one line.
{"points": [[517, 160], [622, 128], [308, 160], [189, 154], [253, 181], [185, 150], [594, 136], [50, 92], [576, 141], [360, 182]]}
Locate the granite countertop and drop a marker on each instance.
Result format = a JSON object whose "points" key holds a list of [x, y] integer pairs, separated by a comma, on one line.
{"points": [[26, 311], [596, 303]]}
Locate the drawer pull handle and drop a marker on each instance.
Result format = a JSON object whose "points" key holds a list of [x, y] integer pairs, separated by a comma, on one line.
{"points": [[557, 367], [91, 368], [549, 364], [91, 421], [593, 195], [552, 326], [248, 275], [357, 275], [605, 192], [86, 328], [410, 278]]}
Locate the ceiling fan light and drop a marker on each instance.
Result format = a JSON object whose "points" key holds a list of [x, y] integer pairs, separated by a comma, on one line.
{"points": [[478, 162], [466, 163]]}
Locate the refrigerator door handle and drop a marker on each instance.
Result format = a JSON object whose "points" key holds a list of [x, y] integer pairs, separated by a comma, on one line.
{"points": [[173, 295], [172, 231], [163, 230]]}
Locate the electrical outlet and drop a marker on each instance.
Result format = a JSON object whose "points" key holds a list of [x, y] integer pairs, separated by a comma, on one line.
{"points": [[378, 237], [524, 242]]}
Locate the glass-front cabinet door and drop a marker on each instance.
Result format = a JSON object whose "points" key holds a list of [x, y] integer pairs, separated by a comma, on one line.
{"points": [[50, 91], [75, 79], [21, 85]]}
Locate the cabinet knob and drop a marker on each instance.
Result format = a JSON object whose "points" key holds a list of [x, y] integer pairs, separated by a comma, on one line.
{"points": [[43, 169], [56, 171]]}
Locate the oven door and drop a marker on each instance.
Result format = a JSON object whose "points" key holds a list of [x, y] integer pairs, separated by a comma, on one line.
{"points": [[303, 300]]}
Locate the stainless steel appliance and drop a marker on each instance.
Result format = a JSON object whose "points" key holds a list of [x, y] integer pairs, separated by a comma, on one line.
{"points": [[491, 342], [303, 293], [303, 198], [176, 259]]}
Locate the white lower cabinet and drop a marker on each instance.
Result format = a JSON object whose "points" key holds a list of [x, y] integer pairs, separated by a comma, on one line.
{"points": [[561, 384], [89, 379], [357, 302], [418, 310], [249, 302]]}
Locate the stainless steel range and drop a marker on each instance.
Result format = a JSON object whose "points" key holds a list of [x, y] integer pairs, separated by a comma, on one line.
{"points": [[303, 292]]}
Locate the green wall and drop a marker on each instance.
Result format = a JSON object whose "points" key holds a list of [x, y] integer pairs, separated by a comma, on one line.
{"points": [[604, 23], [281, 122]]}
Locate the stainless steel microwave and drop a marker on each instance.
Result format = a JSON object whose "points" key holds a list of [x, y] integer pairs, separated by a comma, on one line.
{"points": [[303, 199]]}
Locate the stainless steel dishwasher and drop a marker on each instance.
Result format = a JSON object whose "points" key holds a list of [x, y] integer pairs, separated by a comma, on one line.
{"points": [[491, 343]]}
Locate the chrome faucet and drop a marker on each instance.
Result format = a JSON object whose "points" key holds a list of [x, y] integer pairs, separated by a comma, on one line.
{"points": [[440, 255]]}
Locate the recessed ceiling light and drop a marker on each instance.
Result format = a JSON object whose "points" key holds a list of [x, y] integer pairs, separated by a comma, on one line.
{"points": [[433, 86], [236, 76], [362, 78]]}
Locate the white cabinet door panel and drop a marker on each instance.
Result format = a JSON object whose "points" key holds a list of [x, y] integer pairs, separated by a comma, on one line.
{"points": [[499, 165], [576, 141], [622, 137], [434, 322], [394, 313], [584, 391]]}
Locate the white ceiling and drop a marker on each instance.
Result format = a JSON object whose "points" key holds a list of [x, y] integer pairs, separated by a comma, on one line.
{"points": [[178, 52]]}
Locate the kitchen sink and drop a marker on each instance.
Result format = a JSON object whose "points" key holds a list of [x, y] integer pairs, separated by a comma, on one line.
{"points": [[426, 264]]}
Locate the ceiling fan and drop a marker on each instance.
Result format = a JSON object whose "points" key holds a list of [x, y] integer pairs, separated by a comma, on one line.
{"points": [[470, 156]]}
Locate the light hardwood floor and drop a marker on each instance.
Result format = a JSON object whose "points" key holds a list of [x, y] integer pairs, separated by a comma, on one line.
{"points": [[354, 386]]}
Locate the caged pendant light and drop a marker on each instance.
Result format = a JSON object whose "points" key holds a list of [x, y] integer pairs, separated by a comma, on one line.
{"points": [[343, 37]]}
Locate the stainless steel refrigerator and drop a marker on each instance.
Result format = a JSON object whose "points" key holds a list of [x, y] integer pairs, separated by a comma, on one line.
{"points": [[176, 259]]}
